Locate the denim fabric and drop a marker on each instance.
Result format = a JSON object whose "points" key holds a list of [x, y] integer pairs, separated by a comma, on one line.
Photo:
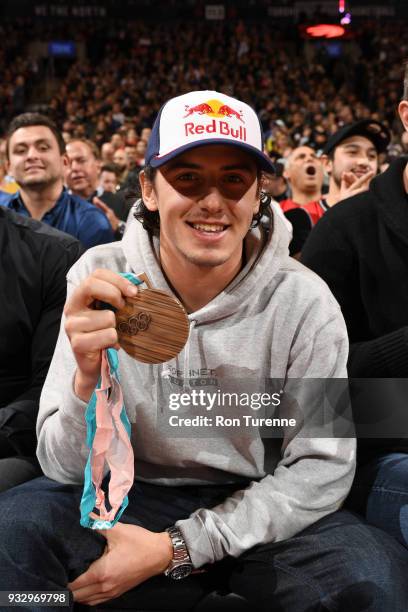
{"points": [[337, 564], [16, 470], [380, 493]]}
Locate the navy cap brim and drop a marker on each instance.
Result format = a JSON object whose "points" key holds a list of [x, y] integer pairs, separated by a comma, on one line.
{"points": [[262, 159]]}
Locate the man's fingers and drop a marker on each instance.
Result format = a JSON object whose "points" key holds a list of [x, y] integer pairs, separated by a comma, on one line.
{"points": [[347, 180], [92, 342], [89, 321], [123, 284], [362, 180], [90, 578], [97, 202], [110, 288]]}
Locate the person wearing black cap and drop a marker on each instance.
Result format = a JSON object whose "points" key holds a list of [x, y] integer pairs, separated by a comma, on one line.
{"points": [[351, 156], [360, 248]]}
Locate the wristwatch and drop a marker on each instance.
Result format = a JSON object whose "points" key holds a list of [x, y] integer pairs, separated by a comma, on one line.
{"points": [[180, 566]]}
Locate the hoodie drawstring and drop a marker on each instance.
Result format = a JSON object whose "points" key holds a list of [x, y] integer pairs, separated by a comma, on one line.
{"points": [[186, 367]]}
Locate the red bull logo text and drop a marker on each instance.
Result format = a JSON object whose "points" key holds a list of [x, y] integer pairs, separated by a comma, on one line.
{"points": [[218, 110], [215, 127]]}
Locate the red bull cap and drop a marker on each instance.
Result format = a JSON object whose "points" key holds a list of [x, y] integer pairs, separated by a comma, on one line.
{"points": [[202, 118]]}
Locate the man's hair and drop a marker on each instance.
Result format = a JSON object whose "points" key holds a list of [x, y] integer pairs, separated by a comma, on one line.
{"points": [[405, 93], [90, 144], [31, 120], [151, 219], [111, 168]]}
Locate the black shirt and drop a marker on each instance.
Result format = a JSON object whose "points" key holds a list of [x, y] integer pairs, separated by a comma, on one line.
{"points": [[360, 248], [34, 261]]}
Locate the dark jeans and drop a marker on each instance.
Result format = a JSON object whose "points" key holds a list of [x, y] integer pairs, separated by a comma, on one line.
{"points": [[16, 470], [339, 563], [380, 493]]}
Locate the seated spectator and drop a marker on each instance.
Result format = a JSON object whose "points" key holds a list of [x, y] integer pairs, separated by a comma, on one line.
{"points": [[37, 160], [304, 172], [7, 182], [360, 249], [122, 161], [109, 178], [275, 184], [351, 158], [34, 261], [82, 178], [107, 152], [140, 153]]}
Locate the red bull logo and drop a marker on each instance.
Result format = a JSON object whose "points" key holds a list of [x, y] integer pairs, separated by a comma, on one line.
{"points": [[213, 108], [217, 110], [200, 109]]}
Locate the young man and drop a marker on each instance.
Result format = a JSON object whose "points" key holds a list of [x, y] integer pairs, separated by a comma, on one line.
{"points": [[360, 249], [37, 160], [262, 519], [350, 157], [108, 178]]}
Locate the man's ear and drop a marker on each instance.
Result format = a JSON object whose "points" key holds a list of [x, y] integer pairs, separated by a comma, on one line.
{"points": [[65, 161], [403, 113], [148, 193], [65, 167], [327, 164], [286, 173]]}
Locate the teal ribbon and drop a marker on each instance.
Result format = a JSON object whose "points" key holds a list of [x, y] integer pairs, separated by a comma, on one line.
{"points": [[89, 494]]}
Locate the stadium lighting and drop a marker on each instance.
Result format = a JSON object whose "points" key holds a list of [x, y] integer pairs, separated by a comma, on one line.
{"points": [[325, 30]]}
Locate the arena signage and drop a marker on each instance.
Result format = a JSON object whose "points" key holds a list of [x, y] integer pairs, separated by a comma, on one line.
{"points": [[215, 12], [66, 10], [329, 8]]}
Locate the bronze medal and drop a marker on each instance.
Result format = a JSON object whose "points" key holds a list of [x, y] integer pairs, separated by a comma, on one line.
{"points": [[153, 327]]}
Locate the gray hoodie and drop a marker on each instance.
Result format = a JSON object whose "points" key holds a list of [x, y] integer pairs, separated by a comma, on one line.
{"points": [[275, 320]]}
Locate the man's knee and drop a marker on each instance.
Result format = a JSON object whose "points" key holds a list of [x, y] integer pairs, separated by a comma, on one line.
{"points": [[15, 471], [340, 563]]}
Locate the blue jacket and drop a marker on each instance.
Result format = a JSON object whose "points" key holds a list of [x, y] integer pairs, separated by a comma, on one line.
{"points": [[71, 214]]}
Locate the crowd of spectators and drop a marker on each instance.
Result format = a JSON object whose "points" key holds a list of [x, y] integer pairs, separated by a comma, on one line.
{"points": [[124, 72]]}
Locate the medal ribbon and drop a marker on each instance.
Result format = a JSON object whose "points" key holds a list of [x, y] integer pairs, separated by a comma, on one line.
{"points": [[108, 433]]}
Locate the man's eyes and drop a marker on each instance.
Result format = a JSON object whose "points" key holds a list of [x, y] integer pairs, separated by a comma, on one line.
{"points": [[233, 178], [40, 147], [194, 177], [188, 176]]}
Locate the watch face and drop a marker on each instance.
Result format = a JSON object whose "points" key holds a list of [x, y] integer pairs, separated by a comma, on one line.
{"points": [[181, 571]]}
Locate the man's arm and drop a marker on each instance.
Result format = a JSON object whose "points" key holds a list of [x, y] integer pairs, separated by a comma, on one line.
{"points": [[310, 481], [330, 254], [74, 372]]}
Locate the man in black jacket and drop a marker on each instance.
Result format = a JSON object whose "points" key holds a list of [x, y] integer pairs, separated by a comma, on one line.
{"points": [[34, 261], [360, 248]]}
